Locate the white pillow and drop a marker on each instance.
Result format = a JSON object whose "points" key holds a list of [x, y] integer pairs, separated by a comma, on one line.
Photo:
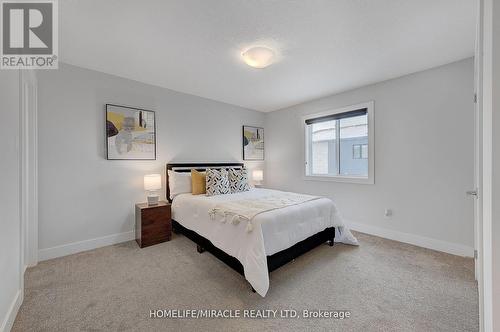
{"points": [[179, 183]]}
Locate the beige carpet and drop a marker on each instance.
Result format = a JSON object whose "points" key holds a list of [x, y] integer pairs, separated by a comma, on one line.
{"points": [[387, 286]]}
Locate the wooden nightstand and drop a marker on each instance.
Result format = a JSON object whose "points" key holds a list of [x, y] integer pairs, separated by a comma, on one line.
{"points": [[153, 223]]}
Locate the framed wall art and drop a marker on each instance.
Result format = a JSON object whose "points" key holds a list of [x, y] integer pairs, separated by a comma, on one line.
{"points": [[253, 143], [130, 133]]}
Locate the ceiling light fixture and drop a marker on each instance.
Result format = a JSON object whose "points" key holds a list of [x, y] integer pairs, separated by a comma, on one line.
{"points": [[258, 57]]}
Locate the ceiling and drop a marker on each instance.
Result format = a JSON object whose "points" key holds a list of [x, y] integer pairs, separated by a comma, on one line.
{"points": [[323, 46]]}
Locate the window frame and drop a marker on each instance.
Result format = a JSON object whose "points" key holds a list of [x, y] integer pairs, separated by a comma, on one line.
{"points": [[370, 179]]}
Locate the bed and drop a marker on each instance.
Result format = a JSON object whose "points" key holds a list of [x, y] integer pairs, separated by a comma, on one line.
{"points": [[276, 237]]}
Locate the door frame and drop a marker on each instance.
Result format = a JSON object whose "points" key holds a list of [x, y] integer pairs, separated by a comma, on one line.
{"points": [[478, 144], [29, 166]]}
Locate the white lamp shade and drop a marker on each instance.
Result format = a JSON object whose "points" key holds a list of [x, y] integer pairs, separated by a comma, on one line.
{"points": [[258, 175], [152, 182]]}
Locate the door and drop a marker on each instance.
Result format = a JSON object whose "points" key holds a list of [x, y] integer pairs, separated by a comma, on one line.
{"points": [[475, 193]]}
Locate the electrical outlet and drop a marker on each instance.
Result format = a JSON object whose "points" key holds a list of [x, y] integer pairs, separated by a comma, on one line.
{"points": [[388, 213]]}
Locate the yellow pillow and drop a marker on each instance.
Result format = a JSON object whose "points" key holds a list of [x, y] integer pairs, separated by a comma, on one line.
{"points": [[198, 182]]}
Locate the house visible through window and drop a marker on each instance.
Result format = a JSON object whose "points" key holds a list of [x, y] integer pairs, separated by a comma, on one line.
{"points": [[337, 144]]}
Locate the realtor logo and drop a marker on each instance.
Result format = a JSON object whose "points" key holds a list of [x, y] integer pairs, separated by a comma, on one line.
{"points": [[29, 34]]}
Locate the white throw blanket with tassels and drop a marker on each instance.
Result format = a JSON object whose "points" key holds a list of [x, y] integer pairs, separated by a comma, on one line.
{"points": [[247, 209]]}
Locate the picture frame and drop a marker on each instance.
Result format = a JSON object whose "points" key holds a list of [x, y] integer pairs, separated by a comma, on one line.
{"points": [[130, 133], [253, 143]]}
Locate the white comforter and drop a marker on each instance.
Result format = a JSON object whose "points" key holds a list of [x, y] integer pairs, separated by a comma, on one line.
{"points": [[273, 230]]}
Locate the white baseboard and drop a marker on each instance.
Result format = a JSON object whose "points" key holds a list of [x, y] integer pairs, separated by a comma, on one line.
{"points": [[76, 247], [12, 313], [417, 240]]}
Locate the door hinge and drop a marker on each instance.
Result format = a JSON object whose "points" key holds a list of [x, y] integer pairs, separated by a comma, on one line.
{"points": [[475, 98], [475, 254]]}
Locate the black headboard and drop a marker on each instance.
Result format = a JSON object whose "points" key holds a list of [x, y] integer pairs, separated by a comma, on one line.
{"points": [[187, 167]]}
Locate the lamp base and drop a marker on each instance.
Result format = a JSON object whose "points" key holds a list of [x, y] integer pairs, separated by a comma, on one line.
{"points": [[153, 199]]}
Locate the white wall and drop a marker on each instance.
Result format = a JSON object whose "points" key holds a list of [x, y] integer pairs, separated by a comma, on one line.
{"points": [[10, 220], [423, 160], [83, 196], [424, 135]]}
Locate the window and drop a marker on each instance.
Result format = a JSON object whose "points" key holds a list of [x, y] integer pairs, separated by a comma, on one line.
{"points": [[360, 151], [339, 144]]}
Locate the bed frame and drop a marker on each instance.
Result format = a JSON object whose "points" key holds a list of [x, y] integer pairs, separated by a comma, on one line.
{"points": [[274, 261]]}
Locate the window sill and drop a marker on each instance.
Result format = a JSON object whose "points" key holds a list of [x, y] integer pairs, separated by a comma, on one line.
{"points": [[343, 179]]}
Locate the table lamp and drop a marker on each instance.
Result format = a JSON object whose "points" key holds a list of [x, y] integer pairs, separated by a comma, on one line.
{"points": [[152, 183], [258, 176]]}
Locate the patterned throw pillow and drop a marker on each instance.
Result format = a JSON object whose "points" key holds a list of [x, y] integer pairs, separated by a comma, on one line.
{"points": [[238, 180], [217, 182]]}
